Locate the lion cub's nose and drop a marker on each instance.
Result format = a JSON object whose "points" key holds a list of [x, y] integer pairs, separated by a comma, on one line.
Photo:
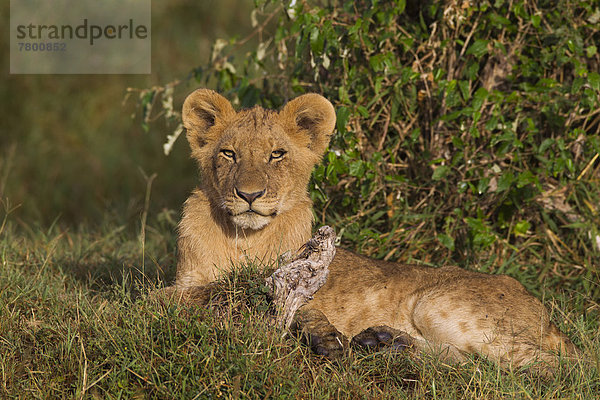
{"points": [[249, 197]]}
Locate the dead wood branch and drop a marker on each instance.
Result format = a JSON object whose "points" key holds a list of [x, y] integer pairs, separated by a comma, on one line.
{"points": [[295, 283]]}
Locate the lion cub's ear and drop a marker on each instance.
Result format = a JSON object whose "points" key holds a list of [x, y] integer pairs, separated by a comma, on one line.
{"points": [[202, 110], [310, 114]]}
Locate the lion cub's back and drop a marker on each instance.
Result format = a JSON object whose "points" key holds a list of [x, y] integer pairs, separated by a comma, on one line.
{"points": [[361, 292]]}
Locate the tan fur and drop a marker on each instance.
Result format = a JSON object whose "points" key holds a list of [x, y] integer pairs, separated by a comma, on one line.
{"points": [[445, 311]]}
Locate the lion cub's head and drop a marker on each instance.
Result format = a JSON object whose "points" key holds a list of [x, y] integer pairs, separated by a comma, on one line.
{"points": [[255, 164]]}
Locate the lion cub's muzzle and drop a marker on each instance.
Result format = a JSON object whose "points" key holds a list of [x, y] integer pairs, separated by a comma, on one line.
{"points": [[251, 210], [249, 197]]}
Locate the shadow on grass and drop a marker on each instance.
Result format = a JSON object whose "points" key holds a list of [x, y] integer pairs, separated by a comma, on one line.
{"points": [[125, 274]]}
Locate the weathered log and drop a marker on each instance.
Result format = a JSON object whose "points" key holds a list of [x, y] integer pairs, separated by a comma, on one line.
{"points": [[295, 283]]}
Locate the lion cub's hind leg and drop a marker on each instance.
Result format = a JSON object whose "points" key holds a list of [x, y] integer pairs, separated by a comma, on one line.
{"points": [[318, 333], [492, 316]]}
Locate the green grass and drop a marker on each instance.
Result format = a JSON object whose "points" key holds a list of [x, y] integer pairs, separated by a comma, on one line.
{"points": [[76, 322]]}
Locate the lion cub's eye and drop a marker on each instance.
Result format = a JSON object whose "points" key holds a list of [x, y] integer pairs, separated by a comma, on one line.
{"points": [[229, 154], [277, 155]]}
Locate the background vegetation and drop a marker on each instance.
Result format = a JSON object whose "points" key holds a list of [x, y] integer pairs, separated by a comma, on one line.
{"points": [[468, 133], [72, 146]]}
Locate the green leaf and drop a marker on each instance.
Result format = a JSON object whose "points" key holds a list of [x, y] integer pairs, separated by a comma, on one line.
{"points": [[446, 240], [357, 168], [440, 172], [478, 48], [505, 181], [479, 97], [525, 178], [378, 62], [464, 89], [521, 228], [400, 6], [364, 112], [594, 80], [499, 20], [342, 118], [476, 224], [316, 41], [482, 186], [545, 145]]}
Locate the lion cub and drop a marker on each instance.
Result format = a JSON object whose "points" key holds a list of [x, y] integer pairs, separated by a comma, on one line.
{"points": [[252, 204]]}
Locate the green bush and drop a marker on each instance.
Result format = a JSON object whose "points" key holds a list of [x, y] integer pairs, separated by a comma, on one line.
{"points": [[466, 132]]}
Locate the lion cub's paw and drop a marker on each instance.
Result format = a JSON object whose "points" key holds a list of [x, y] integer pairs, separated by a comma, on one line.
{"points": [[330, 344], [382, 338], [319, 334]]}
